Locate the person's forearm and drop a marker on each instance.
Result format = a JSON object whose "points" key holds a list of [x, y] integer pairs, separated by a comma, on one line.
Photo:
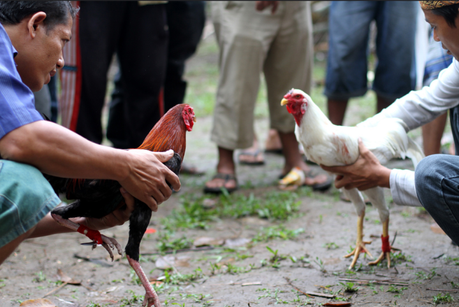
{"points": [[58, 151]]}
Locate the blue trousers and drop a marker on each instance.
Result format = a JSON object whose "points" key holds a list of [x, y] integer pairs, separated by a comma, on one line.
{"points": [[437, 185]]}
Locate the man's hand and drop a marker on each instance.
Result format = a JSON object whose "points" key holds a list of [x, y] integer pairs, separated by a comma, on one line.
{"points": [[261, 5], [364, 174], [115, 218], [148, 177]]}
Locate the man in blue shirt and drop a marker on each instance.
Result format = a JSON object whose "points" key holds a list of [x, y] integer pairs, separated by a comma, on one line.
{"points": [[32, 36]]}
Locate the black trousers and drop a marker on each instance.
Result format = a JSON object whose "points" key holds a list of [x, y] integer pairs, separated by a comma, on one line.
{"points": [[138, 35], [185, 21]]}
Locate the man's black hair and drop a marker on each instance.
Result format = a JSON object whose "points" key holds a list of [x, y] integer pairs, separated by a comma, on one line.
{"points": [[449, 12], [57, 12]]}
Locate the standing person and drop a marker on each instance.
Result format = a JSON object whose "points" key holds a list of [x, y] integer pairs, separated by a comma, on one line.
{"points": [[252, 37], [136, 31], [32, 37], [185, 21], [437, 60], [434, 184], [347, 62]]}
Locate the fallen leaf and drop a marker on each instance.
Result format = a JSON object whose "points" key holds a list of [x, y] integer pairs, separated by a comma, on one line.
{"points": [[236, 242], [39, 302], [206, 241], [169, 261], [65, 278]]}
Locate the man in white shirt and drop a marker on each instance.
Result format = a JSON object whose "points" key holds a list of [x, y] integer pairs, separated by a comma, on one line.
{"points": [[435, 182]]}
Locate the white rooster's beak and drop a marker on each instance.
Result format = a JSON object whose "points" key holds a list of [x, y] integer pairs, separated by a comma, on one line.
{"points": [[284, 102]]}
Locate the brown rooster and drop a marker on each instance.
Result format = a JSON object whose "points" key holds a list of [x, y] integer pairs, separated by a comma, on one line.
{"points": [[97, 198]]}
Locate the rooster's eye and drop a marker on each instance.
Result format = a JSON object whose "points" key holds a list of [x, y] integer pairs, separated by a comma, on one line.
{"points": [[298, 96]]}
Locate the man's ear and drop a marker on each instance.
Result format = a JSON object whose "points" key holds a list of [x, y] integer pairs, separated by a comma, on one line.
{"points": [[35, 23]]}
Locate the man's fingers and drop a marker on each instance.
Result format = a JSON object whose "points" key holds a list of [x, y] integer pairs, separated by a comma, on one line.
{"points": [[128, 198], [164, 156]]}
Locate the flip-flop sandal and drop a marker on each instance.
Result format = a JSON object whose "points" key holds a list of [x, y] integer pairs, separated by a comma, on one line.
{"points": [[190, 170], [219, 190], [254, 155], [295, 178], [320, 186]]}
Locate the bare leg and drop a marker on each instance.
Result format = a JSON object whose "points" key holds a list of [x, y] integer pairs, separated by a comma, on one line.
{"points": [[382, 103], [273, 142], [432, 134], [225, 166], [9, 248], [336, 110]]}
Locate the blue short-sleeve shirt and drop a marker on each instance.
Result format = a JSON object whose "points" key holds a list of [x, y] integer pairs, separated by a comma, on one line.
{"points": [[17, 107]]}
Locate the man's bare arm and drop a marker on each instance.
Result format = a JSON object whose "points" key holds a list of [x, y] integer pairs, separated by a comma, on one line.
{"points": [[58, 151]]}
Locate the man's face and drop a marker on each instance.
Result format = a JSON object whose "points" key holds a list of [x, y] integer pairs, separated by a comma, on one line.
{"points": [[41, 58], [448, 36]]}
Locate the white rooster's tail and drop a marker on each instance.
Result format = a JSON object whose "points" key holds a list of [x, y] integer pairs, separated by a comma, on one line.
{"points": [[414, 152]]}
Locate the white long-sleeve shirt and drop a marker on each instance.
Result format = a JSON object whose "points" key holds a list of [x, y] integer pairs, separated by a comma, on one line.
{"points": [[416, 109]]}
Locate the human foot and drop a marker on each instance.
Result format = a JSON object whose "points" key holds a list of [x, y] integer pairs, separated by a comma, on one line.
{"points": [[221, 181]]}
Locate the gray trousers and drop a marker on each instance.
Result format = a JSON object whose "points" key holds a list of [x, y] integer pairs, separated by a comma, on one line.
{"points": [[250, 43]]}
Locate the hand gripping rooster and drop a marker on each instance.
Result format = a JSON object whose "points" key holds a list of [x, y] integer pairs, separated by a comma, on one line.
{"points": [[97, 198], [330, 145]]}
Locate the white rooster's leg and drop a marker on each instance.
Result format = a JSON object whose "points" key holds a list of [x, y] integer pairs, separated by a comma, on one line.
{"points": [[376, 196], [357, 199]]}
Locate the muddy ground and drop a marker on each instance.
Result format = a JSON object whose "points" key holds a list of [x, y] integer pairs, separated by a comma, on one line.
{"points": [[244, 273]]}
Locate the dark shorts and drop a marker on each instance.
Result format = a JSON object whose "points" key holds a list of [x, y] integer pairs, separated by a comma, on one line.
{"points": [[347, 63], [25, 198]]}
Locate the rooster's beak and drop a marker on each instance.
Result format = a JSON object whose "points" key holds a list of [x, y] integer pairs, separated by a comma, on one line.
{"points": [[194, 118], [284, 102]]}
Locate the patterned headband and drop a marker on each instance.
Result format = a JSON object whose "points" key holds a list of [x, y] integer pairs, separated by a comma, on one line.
{"points": [[433, 4]]}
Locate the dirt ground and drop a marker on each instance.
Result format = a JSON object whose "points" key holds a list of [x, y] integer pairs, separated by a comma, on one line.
{"points": [[426, 272]]}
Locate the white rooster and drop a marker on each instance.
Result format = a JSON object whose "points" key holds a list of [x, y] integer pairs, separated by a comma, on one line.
{"points": [[327, 144]]}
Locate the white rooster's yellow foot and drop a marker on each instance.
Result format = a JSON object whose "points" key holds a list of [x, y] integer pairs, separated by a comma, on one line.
{"points": [[359, 248], [385, 254]]}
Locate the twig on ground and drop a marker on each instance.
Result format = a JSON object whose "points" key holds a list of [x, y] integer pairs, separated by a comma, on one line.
{"points": [[294, 287]]}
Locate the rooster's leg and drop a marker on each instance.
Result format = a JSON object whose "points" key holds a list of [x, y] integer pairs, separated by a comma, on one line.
{"points": [[138, 223], [151, 298], [386, 247], [376, 196], [360, 244], [359, 204], [94, 235]]}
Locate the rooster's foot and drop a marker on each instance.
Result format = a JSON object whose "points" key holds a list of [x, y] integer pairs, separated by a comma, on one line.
{"points": [[359, 248], [110, 244], [384, 255], [150, 300]]}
